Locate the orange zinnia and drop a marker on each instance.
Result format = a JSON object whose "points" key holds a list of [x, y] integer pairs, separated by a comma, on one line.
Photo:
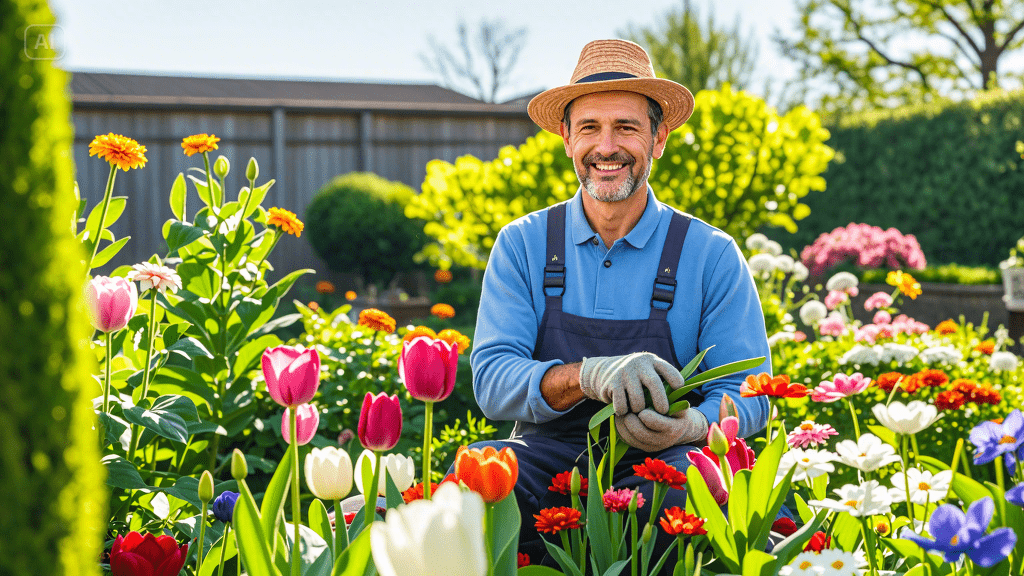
{"points": [[904, 282], [489, 472], [659, 471], [932, 377], [986, 347], [199, 143], [120, 151], [454, 337], [946, 327], [888, 380], [443, 276], [417, 332], [350, 295], [325, 287], [778, 387], [377, 320], [285, 220], [554, 520], [949, 400], [677, 521], [442, 311], [562, 483]]}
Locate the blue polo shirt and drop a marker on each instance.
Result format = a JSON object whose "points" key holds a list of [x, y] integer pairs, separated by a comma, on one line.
{"points": [[716, 303]]}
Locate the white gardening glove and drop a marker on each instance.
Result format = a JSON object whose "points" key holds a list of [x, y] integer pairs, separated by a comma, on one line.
{"points": [[621, 380], [653, 432]]}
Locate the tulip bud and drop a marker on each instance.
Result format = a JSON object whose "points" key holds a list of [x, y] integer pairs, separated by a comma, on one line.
{"points": [[221, 166], [206, 487], [252, 171], [727, 408], [575, 482], [239, 469], [646, 537], [718, 442], [632, 502]]}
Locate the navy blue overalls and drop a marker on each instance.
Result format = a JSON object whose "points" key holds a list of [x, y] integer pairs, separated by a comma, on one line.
{"points": [[544, 450]]}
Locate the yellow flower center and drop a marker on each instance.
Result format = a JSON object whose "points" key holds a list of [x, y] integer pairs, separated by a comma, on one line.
{"points": [[953, 541], [1007, 440], [924, 486], [838, 564], [806, 564], [852, 503], [806, 460]]}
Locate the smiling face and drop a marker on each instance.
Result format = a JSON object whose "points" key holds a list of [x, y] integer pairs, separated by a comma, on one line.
{"points": [[611, 145]]}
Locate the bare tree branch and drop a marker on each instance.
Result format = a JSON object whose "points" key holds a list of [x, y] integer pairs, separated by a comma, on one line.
{"points": [[485, 59]]}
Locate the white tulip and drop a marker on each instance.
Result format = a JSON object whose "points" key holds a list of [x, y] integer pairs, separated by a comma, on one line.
{"points": [[906, 419], [439, 537], [867, 454], [924, 486], [868, 499], [401, 469], [328, 473], [813, 311]]}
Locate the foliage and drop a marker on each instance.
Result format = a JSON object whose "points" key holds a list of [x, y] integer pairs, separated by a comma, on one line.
{"points": [[700, 57], [1016, 258], [484, 64], [736, 164], [949, 173], [943, 274], [874, 54], [51, 489], [357, 224]]}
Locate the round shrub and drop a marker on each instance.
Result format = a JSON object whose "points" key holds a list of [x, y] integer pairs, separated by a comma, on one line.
{"points": [[357, 224]]}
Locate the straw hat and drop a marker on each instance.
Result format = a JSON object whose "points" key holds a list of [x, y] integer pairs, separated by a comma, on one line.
{"points": [[607, 65]]}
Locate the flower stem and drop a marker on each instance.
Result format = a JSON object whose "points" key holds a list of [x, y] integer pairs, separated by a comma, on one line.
{"points": [[202, 536], [489, 533], [340, 531], [768, 427], [565, 544], [256, 277], [370, 493], [868, 545], [853, 416], [209, 182], [106, 388], [428, 431], [906, 478], [136, 429], [296, 512], [103, 215], [633, 528], [612, 437], [223, 548]]}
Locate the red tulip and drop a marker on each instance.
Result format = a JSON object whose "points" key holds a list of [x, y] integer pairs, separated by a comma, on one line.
{"points": [[427, 367], [292, 374], [111, 302], [137, 555], [307, 420], [380, 422]]}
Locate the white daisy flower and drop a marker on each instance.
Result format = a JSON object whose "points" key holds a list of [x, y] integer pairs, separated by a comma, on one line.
{"points": [[940, 354], [867, 499], [906, 419], [807, 463], [1003, 361], [867, 454], [924, 486]]}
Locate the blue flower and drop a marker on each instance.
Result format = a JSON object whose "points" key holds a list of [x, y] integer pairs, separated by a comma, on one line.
{"points": [[956, 533], [224, 506], [1015, 495], [993, 440]]}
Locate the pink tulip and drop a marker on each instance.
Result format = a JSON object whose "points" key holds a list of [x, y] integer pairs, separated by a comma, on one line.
{"points": [[841, 387], [111, 302], [307, 420], [380, 422], [292, 375], [740, 457], [427, 367]]}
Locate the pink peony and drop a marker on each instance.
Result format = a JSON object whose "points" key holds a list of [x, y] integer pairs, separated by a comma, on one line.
{"points": [[618, 500], [842, 386], [882, 317], [864, 245], [832, 326], [810, 434], [111, 302], [878, 300]]}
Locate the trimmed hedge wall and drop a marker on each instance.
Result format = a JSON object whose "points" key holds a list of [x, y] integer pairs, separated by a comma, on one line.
{"points": [[948, 173]]}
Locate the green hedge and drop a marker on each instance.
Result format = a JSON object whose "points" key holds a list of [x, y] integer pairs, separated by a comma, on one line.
{"points": [[947, 173], [944, 274], [52, 496]]}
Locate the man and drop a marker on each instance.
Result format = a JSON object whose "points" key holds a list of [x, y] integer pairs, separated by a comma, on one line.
{"points": [[599, 299]]}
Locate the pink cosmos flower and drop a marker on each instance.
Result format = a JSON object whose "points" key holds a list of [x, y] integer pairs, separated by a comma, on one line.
{"points": [[111, 302], [832, 326], [307, 420], [852, 291], [841, 387], [834, 299], [618, 500], [811, 434], [878, 300], [882, 317], [155, 276]]}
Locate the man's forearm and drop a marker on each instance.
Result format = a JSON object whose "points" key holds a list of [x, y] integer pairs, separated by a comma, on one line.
{"points": [[560, 386]]}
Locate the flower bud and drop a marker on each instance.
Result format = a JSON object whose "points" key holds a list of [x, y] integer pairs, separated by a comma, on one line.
{"points": [[632, 502], [575, 482], [646, 537], [727, 408], [206, 487], [239, 469], [221, 166], [252, 171], [718, 442]]}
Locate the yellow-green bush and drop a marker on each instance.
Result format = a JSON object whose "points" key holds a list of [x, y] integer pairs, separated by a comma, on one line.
{"points": [[51, 479], [736, 164]]}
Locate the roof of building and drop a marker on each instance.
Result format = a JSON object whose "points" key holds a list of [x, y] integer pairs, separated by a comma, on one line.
{"points": [[136, 90]]}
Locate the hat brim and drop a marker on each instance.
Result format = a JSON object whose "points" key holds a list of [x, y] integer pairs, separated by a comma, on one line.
{"points": [[548, 107]]}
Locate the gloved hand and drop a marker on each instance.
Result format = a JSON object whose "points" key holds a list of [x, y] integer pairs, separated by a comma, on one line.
{"points": [[653, 432], [621, 380]]}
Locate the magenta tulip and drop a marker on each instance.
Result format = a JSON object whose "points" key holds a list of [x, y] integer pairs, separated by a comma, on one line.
{"points": [[380, 422], [427, 367], [307, 420], [292, 374], [740, 457], [111, 302]]}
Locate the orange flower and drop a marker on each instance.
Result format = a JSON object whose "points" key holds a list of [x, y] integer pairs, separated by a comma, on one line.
{"points": [[442, 311], [677, 521], [417, 332], [489, 472], [778, 387], [912, 383], [932, 378], [904, 282], [376, 320], [118, 150], [888, 380], [986, 347], [554, 520], [562, 483], [325, 287], [350, 295], [949, 400], [285, 220], [977, 393], [199, 143], [658, 471], [454, 337], [947, 327], [443, 276], [314, 306]]}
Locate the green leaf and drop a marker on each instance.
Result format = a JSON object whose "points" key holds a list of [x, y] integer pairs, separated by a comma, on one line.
{"points": [[738, 509], [758, 563], [272, 508], [392, 497], [322, 566], [320, 522], [786, 550], [114, 210], [254, 547], [175, 380], [212, 561], [504, 541], [255, 198], [199, 279], [803, 509], [180, 234], [249, 355], [122, 473], [176, 404], [602, 415], [718, 372], [187, 488], [846, 531], [355, 560], [189, 348], [885, 435], [109, 252], [202, 189], [719, 532], [538, 570], [177, 197], [603, 550], [688, 370], [562, 557], [160, 422]]}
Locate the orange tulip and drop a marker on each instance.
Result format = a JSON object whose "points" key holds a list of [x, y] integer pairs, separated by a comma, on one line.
{"points": [[488, 472]]}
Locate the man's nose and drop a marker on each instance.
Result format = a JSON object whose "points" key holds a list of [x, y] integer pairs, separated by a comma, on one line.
{"points": [[607, 143]]}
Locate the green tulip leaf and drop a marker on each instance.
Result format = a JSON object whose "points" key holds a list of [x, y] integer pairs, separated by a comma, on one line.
{"points": [[187, 488], [758, 563], [566, 562], [504, 541], [254, 547], [538, 570], [189, 348], [212, 560], [249, 356], [355, 560], [161, 422], [602, 415], [719, 532], [691, 366], [712, 374], [272, 509], [177, 197], [320, 522]]}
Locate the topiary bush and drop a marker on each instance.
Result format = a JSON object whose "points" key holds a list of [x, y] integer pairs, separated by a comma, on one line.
{"points": [[357, 224], [51, 479]]}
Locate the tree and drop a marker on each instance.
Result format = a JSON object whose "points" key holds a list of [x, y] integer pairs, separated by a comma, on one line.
{"points": [[480, 66], [872, 53], [698, 57]]}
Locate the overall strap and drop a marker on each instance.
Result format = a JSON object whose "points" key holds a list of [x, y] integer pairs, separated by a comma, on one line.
{"points": [[665, 281], [554, 267]]}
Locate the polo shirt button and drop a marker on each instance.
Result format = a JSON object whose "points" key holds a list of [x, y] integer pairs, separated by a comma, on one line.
{"points": [[594, 241], [607, 263]]}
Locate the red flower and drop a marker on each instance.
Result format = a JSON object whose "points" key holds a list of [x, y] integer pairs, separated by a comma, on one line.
{"points": [[136, 554], [932, 377], [416, 492], [659, 471], [784, 526], [818, 542], [888, 380], [554, 520], [522, 560], [778, 387], [949, 400], [562, 483], [677, 521], [986, 347]]}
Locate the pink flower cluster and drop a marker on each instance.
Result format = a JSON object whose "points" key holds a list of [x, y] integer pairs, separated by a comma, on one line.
{"points": [[887, 327], [867, 246], [618, 500]]}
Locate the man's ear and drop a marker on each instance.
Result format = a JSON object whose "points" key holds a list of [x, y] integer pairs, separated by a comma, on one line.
{"points": [[660, 139], [565, 139]]}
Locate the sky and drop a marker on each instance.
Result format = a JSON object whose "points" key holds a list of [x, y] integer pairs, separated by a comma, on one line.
{"points": [[368, 40]]}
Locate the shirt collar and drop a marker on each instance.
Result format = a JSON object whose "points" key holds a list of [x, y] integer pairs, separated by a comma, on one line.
{"points": [[637, 237]]}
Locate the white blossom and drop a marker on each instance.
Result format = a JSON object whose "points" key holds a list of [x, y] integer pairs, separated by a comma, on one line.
{"points": [[867, 454], [906, 419], [762, 262], [756, 241], [940, 354], [901, 353], [841, 281], [1003, 361], [867, 499], [861, 355], [800, 272], [813, 311]]}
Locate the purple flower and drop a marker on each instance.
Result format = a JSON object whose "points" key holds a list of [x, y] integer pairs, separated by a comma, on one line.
{"points": [[993, 440], [956, 533], [1015, 495], [224, 506]]}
